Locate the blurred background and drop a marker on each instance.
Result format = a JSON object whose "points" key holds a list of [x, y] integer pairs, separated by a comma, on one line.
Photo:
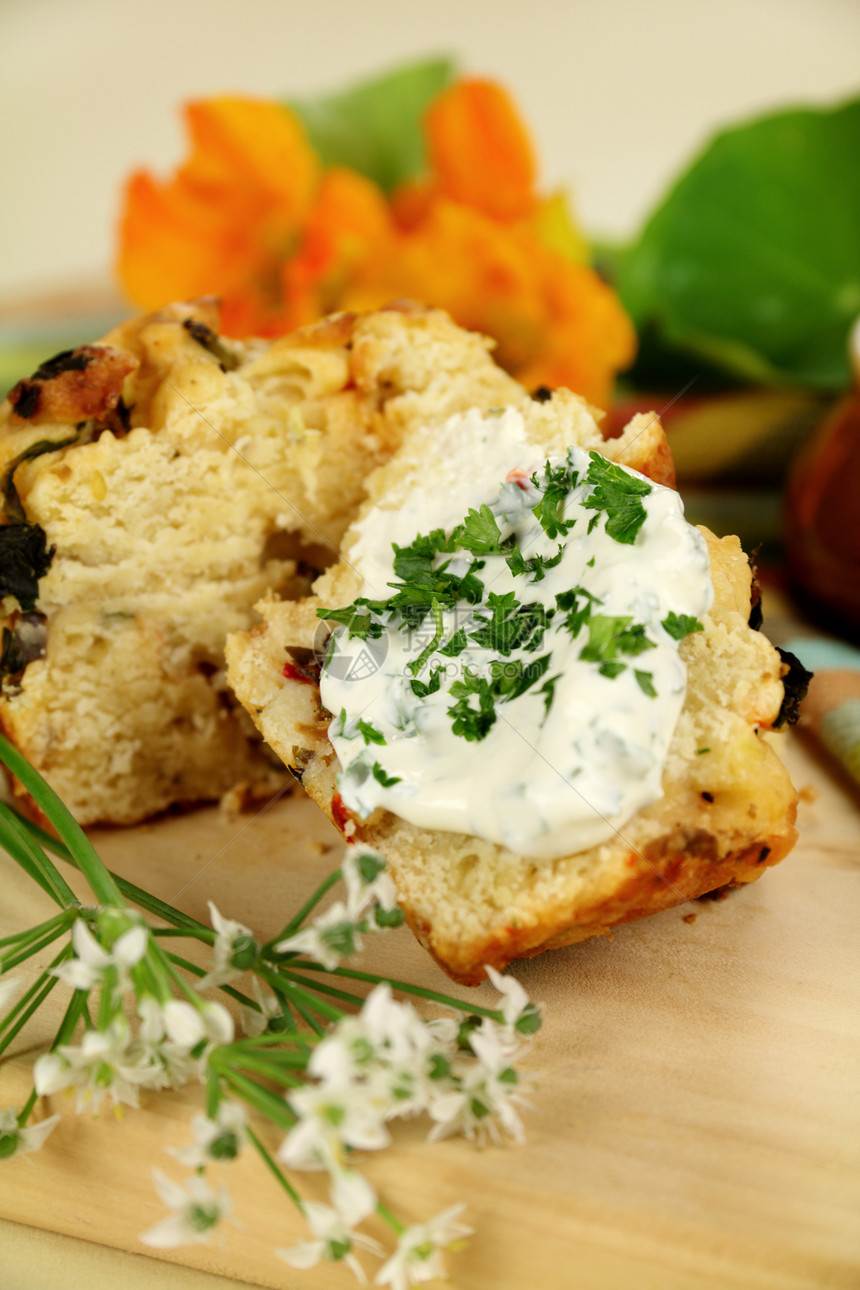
{"points": [[618, 99], [617, 95]]}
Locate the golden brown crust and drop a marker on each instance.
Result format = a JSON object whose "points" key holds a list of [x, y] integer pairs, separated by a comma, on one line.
{"points": [[73, 386]]}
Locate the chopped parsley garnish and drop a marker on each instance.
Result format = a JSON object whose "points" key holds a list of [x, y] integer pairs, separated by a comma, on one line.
{"points": [[455, 645], [480, 533], [608, 637], [619, 495], [370, 734], [611, 669], [646, 683], [356, 623], [421, 689], [416, 665], [511, 679], [536, 565], [435, 578], [548, 692], [557, 483], [680, 625], [470, 722], [576, 604], [387, 781], [512, 625]]}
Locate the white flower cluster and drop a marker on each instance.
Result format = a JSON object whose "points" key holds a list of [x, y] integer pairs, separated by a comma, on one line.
{"points": [[369, 1069], [169, 1049], [386, 1063], [371, 903]]}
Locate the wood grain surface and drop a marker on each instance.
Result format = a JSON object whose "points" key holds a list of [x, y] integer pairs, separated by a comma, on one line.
{"points": [[695, 1119]]}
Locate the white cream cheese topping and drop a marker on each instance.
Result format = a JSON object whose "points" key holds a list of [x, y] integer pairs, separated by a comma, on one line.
{"points": [[511, 668]]}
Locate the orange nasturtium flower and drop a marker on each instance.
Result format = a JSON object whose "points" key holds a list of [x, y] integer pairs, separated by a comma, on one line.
{"points": [[253, 217]]}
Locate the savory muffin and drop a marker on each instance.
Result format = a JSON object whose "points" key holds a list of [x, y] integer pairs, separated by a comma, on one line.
{"points": [[156, 485], [572, 737]]}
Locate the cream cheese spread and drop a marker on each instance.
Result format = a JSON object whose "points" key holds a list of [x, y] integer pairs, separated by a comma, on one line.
{"points": [[510, 668]]}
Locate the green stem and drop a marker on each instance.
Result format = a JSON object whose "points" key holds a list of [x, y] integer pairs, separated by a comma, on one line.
{"points": [[275, 1169], [60, 921], [330, 990], [297, 993], [12, 960], [72, 1016], [261, 1099], [196, 970], [275, 1066], [31, 1003], [186, 933], [135, 894], [384, 1212], [32, 859], [308, 1018], [297, 919], [103, 886], [24, 1113], [406, 987]]}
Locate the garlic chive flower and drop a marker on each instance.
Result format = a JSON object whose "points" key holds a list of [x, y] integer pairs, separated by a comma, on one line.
{"points": [[18, 1140], [100, 1066], [92, 962], [331, 1080], [268, 1015], [197, 1211], [367, 882], [215, 1138], [332, 1227], [332, 936], [522, 1017], [189, 1024], [234, 951], [483, 1095], [418, 1257]]}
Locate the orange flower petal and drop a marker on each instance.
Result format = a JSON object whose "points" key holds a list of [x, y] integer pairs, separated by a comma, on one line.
{"points": [[224, 222], [480, 150], [252, 147]]}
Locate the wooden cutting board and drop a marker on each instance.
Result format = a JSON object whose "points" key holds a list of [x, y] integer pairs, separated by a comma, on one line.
{"points": [[695, 1121]]}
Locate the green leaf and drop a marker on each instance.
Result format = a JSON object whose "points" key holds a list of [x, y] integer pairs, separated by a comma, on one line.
{"points": [[357, 624], [576, 604], [512, 625], [752, 261], [646, 683], [375, 126], [480, 533], [472, 723], [617, 493], [608, 637], [421, 689], [549, 512], [387, 781], [455, 645], [680, 625], [512, 678], [370, 734]]}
